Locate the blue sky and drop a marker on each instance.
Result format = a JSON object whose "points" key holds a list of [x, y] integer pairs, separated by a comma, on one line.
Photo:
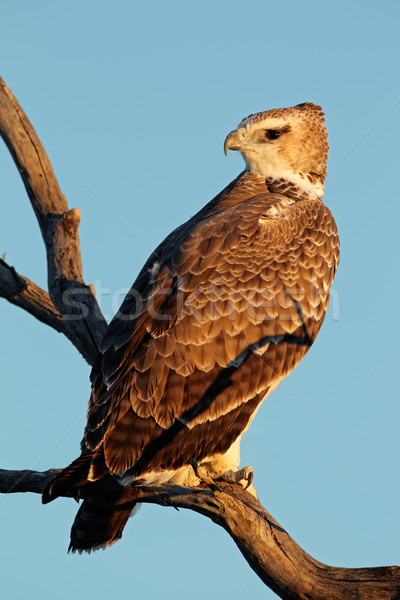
{"points": [[133, 102]]}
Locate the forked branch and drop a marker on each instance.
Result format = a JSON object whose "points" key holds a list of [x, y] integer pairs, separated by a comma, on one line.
{"points": [[73, 301], [33, 299]]}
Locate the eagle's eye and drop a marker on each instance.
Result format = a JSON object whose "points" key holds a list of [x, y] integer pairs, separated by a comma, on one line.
{"points": [[272, 134]]}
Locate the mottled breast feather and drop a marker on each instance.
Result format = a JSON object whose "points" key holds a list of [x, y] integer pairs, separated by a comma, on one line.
{"points": [[224, 309]]}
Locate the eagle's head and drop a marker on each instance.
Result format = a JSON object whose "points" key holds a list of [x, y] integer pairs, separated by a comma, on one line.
{"points": [[289, 143]]}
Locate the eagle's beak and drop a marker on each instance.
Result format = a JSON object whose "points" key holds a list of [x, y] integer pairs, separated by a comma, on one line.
{"points": [[232, 141]]}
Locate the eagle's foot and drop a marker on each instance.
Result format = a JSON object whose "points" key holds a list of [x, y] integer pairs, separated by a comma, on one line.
{"points": [[203, 474], [243, 477]]}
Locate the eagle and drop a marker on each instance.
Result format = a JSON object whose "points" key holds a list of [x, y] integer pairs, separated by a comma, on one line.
{"points": [[222, 311]]}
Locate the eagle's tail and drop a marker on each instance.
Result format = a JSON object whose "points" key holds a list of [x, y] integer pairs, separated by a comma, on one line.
{"points": [[102, 516], [104, 512]]}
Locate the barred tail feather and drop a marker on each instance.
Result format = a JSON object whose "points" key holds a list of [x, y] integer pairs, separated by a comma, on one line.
{"points": [[105, 510], [102, 516]]}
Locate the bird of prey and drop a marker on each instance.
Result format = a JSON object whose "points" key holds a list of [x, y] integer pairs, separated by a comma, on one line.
{"points": [[221, 312]]}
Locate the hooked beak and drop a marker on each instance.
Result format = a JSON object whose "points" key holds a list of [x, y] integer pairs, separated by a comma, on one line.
{"points": [[232, 141]]}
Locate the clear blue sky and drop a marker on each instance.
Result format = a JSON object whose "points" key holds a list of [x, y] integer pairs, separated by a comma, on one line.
{"points": [[133, 101]]}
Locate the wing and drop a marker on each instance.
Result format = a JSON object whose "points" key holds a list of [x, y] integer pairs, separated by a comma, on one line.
{"points": [[222, 311]]}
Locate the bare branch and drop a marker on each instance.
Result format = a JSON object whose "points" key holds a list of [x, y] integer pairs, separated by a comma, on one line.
{"points": [[25, 481], [22, 292], [270, 551], [59, 226]]}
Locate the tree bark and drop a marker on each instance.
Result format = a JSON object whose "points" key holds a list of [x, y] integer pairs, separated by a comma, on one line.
{"points": [[71, 308], [72, 298]]}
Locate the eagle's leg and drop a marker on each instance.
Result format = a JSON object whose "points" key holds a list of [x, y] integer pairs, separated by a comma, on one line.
{"points": [[203, 474], [242, 477]]}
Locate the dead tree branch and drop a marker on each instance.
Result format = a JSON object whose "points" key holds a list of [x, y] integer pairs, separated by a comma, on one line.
{"points": [[33, 299], [276, 558], [73, 300], [71, 308]]}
